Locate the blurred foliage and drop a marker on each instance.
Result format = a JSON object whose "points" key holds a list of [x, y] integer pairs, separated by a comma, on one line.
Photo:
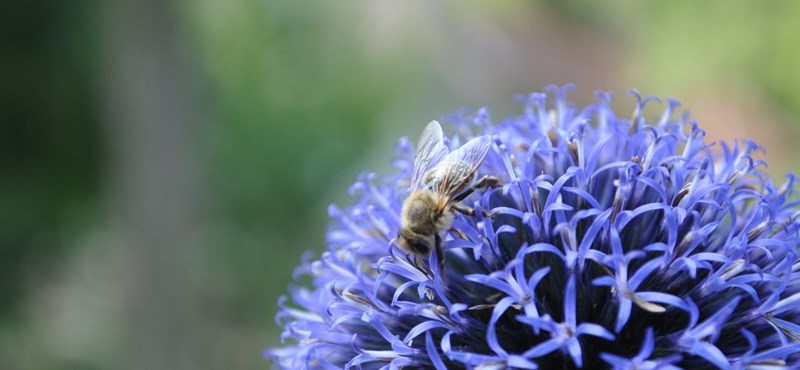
{"points": [[678, 45], [49, 134], [708, 41], [296, 98], [292, 100]]}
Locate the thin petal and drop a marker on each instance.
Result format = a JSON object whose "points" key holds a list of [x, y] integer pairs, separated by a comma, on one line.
{"points": [[491, 331], [594, 330], [544, 348], [569, 302], [574, 349], [433, 353]]}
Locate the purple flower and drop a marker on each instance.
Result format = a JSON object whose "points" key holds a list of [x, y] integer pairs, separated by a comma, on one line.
{"points": [[614, 242]]}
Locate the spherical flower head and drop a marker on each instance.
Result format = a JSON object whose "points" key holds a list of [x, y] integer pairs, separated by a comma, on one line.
{"points": [[618, 242]]}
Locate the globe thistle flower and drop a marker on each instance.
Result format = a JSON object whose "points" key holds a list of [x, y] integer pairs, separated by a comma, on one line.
{"points": [[613, 242]]}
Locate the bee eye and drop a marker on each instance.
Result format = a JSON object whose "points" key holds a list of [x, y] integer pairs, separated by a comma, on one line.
{"points": [[419, 246]]}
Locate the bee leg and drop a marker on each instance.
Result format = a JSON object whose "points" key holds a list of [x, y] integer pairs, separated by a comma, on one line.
{"points": [[459, 233], [487, 182], [458, 207], [419, 264], [410, 261], [463, 195], [440, 253], [484, 183]]}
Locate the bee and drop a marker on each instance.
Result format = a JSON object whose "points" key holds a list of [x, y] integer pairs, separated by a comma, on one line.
{"points": [[439, 181]]}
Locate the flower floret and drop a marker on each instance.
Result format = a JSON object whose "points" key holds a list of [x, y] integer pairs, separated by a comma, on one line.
{"points": [[611, 240]]}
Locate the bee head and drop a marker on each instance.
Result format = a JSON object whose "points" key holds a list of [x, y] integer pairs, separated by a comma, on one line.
{"points": [[416, 244]]}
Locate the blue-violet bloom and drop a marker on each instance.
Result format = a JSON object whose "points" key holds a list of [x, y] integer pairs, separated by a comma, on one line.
{"points": [[618, 242]]}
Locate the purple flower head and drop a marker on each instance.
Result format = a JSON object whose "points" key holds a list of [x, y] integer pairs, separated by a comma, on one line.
{"points": [[613, 242]]}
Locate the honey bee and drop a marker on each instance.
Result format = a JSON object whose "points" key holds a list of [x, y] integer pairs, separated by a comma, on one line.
{"points": [[439, 181]]}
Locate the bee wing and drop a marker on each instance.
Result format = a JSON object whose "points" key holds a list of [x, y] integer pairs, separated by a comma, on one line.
{"points": [[430, 150], [456, 172]]}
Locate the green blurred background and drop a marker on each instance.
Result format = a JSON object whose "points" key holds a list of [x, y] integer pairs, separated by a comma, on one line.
{"points": [[164, 164]]}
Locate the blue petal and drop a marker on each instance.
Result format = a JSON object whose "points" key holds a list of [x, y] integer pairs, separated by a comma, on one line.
{"points": [[789, 303], [518, 362], [569, 302], [775, 353], [664, 298], [433, 353], [491, 330], [623, 313], [574, 349], [594, 330], [423, 327], [544, 348], [711, 353], [647, 346]]}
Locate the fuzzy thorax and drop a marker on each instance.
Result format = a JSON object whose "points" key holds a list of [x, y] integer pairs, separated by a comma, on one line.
{"points": [[426, 212], [424, 215]]}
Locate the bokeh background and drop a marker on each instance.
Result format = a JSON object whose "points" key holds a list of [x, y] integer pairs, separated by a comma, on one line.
{"points": [[164, 164]]}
